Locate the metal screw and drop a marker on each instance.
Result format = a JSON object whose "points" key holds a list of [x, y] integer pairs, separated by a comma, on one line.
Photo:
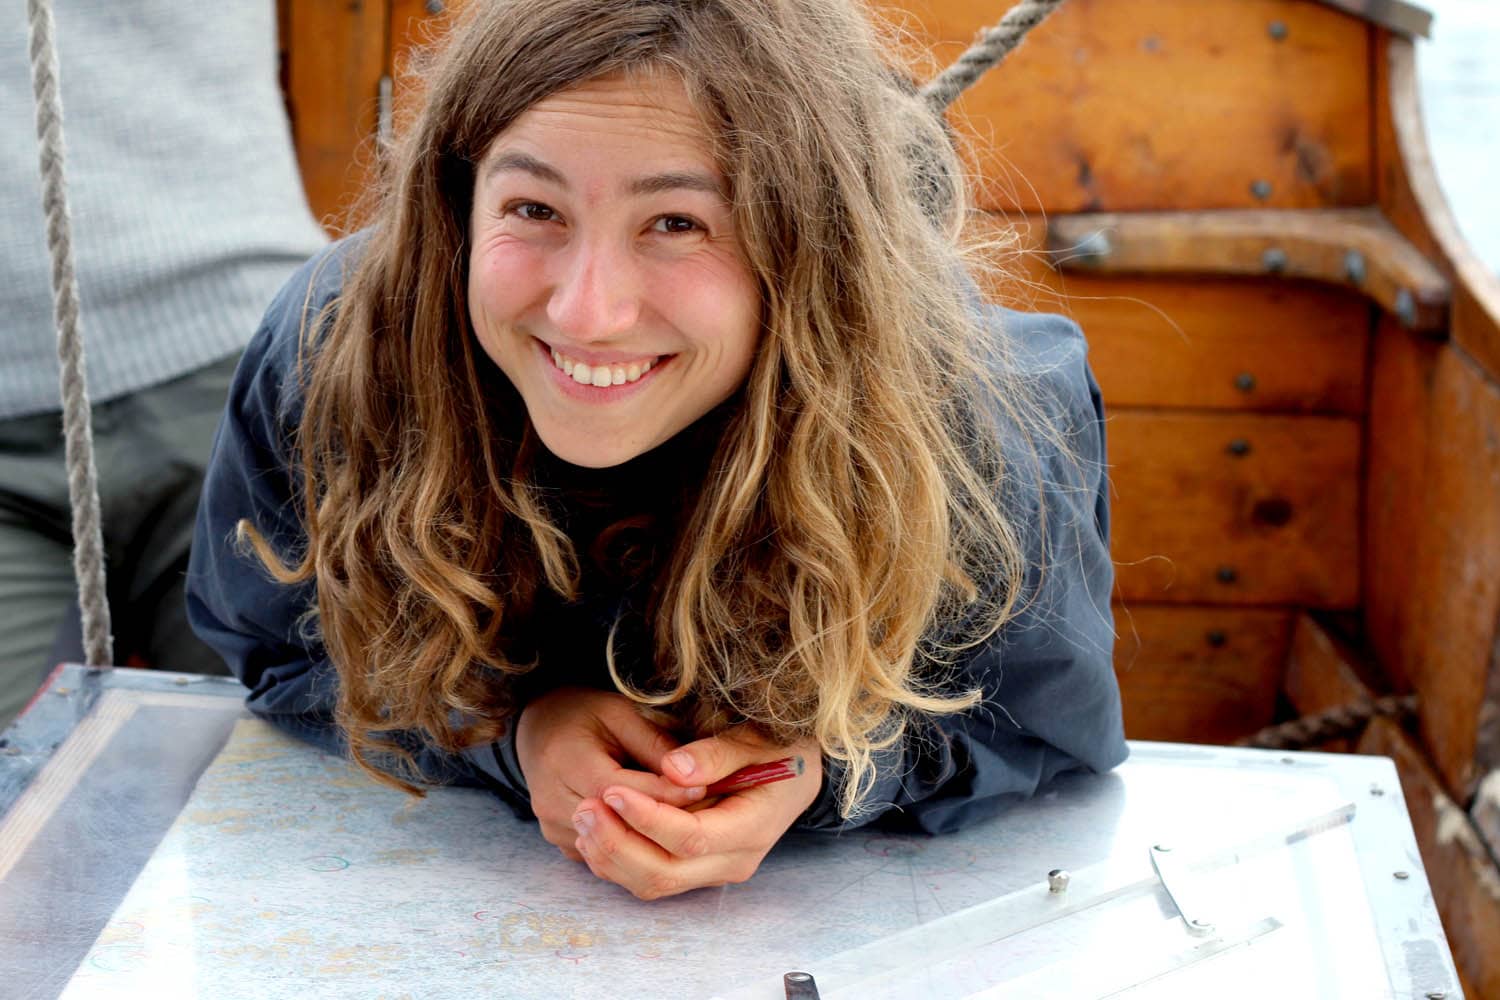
{"points": [[1227, 574], [1057, 881], [1403, 876], [1239, 448], [1354, 267], [180, 681], [1094, 247], [1274, 260], [1436, 995], [1277, 30], [1406, 308], [1261, 189], [1244, 382], [1216, 638], [434, 6]]}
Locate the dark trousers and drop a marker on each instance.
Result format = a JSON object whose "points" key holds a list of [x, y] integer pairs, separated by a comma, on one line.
{"points": [[150, 448]]}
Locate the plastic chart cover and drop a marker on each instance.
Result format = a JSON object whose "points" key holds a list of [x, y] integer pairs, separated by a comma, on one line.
{"points": [[290, 874]]}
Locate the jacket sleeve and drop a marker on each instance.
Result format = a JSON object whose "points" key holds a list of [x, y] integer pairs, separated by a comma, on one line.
{"points": [[1051, 702], [265, 630]]}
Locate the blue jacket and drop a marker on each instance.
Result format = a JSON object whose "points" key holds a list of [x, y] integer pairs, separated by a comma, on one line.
{"points": [[1051, 700]]}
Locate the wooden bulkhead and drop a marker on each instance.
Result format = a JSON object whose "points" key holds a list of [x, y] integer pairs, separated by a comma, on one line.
{"points": [[1299, 354]]}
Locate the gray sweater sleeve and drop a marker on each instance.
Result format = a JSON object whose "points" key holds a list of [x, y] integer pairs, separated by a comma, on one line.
{"points": [[1051, 701]]}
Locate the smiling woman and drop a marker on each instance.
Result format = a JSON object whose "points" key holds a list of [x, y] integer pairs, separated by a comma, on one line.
{"points": [[656, 428]]}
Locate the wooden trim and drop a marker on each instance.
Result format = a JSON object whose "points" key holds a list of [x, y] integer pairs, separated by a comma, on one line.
{"points": [[1354, 248], [1411, 197], [1404, 18]]}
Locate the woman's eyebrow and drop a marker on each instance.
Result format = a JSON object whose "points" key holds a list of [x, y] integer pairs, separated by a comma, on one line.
{"points": [[526, 164], [686, 180]]}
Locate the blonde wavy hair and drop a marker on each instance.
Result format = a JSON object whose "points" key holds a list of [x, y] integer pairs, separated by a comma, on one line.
{"points": [[848, 537]]}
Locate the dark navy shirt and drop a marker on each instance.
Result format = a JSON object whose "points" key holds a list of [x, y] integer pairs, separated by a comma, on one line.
{"points": [[1051, 702]]}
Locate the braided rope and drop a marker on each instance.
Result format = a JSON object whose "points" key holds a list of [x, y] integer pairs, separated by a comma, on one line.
{"points": [[1343, 720], [83, 481], [992, 46]]}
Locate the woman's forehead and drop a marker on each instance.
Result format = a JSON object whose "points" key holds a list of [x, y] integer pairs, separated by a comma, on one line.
{"points": [[650, 108]]}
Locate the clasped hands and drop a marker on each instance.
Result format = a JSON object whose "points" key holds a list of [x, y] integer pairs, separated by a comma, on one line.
{"points": [[652, 831]]}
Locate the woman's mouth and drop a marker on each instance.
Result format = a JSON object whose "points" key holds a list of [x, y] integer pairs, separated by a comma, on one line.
{"points": [[603, 375]]}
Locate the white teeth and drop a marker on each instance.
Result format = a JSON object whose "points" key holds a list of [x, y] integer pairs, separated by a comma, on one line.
{"points": [[601, 375]]}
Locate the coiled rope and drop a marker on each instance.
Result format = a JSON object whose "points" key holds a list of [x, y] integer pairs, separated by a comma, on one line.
{"points": [[1335, 723], [83, 478]]}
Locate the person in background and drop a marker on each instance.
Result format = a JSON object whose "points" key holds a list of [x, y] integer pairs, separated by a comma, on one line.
{"points": [[656, 428], [188, 214]]}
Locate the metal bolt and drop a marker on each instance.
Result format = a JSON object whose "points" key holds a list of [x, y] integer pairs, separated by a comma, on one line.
{"points": [[1354, 267], [1093, 247], [1227, 574], [1057, 881], [434, 6], [1274, 260], [1406, 308], [1239, 448], [1261, 189], [1277, 30], [1216, 638], [1244, 382], [1403, 876]]}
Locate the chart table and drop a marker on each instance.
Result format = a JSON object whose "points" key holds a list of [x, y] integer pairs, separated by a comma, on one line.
{"points": [[158, 841]]}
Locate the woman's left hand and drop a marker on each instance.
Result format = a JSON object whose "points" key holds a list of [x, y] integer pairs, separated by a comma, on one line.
{"points": [[655, 850]]}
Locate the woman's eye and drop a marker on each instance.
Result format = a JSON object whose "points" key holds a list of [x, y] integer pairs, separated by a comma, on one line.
{"points": [[535, 212], [676, 224]]}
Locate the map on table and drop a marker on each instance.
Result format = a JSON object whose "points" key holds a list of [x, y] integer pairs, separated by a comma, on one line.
{"points": [[290, 874]]}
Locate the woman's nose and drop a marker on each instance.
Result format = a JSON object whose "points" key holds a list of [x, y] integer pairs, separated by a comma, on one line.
{"points": [[596, 295]]}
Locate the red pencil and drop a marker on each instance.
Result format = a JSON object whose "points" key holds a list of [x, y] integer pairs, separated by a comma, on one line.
{"points": [[757, 774]]}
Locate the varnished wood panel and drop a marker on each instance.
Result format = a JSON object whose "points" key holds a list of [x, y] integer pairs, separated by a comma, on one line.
{"points": [[1204, 343], [1465, 883], [336, 54], [1240, 509], [1166, 104], [1203, 675], [1434, 543]]}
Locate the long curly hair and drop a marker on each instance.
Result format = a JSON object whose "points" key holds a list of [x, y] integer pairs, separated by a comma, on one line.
{"points": [[847, 536]]}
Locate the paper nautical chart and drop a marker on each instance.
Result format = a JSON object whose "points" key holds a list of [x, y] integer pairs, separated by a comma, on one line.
{"points": [[289, 874]]}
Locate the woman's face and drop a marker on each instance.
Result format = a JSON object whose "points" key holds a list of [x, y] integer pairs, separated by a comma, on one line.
{"points": [[605, 277]]}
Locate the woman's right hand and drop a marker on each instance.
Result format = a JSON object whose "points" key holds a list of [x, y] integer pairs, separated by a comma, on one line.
{"points": [[574, 742]]}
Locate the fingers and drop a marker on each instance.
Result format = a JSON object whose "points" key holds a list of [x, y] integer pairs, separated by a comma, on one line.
{"points": [[619, 854], [642, 739], [705, 761]]}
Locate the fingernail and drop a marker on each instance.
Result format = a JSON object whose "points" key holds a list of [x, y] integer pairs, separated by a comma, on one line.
{"points": [[583, 821], [614, 802], [682, 761]]}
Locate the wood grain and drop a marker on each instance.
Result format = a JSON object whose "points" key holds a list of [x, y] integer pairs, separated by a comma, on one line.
{"points": [[1196, 521], [1163, 104], [1199, 343], [1199, 674], [336, 54]]}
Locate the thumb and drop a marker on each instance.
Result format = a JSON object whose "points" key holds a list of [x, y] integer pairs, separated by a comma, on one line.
{"points": [[705, 761]]}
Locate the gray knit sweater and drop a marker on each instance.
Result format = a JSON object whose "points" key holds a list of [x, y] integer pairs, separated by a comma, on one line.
{"points": [[188, 212]]}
